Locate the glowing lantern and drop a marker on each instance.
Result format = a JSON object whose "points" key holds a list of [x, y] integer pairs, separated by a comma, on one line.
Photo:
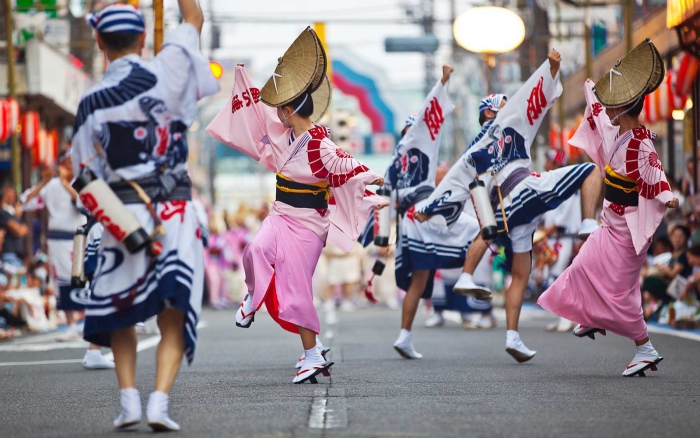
{"points": [[216, 69], [30, 129], [686, 69], [489, 30], [5, 120]]}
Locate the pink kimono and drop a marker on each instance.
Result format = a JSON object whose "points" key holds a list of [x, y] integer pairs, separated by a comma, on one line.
{"points": [[280, 260], [601, 287]]}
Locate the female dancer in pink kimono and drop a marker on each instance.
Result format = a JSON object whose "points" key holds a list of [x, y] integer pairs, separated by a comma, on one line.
{"points": [[600, 290], [319, 197]]}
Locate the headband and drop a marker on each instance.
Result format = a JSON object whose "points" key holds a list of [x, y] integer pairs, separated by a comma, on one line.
{"points": [[117, 18]]}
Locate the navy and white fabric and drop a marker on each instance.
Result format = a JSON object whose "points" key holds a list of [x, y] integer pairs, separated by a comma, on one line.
{"points": [[65, 217], [502, 146], [424, 246], [117, 18], [139, 114], [491, 102]]}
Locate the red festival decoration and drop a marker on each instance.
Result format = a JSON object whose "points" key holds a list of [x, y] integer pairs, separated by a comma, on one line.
{"points": [[30, 129], [660, 104], [686, 69], [5, 120]]}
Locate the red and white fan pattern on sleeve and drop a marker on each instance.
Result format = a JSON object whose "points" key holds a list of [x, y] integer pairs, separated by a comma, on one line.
{"points": [[642, 164], [337, 166]]}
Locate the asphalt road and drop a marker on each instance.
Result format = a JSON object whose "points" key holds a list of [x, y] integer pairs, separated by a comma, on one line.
{"points": [[466, 386]]}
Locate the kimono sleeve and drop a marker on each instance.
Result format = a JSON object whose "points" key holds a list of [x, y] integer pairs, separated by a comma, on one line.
{"points": [[526, 110], [37, 203], [424, 135], [449, 197], [596, 134], [83, 151], [246, 124], [183, 61], [351, 204]]}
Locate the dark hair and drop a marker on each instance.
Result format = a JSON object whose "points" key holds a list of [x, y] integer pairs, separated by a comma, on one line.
{"points": [[663, 240], [120, 41], [694, 250], [636, 109], [307, 109], [684, 229], [482, 118], [404, 130]]}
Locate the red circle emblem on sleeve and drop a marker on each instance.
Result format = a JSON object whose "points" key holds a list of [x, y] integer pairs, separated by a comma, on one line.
{"points": [[643, 165], [339, 166]]}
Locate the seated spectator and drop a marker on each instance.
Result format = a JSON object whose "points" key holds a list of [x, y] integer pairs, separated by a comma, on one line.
{"points": [[15, 229], [659, 277], [692, 286]]}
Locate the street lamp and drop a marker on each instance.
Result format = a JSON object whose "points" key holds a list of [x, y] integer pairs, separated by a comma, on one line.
{"points": [[489, 30]]}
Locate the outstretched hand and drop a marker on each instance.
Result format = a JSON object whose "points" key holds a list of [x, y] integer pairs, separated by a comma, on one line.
{"points": [[378, 182], [673, 203], [446, 73], [554, 62], [421, 217]]}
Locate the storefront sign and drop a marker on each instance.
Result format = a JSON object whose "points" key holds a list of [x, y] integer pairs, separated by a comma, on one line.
{"points": [[679, 11]]}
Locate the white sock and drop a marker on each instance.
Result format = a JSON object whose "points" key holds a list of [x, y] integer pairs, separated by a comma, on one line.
{"points": [[403, 335], [646, 350], [157, 405], [465, 276], [512, 336], [319, 345], [589, 222], [248, 304], [73, 328], [313, 356], [130, 399], [94, 353]]}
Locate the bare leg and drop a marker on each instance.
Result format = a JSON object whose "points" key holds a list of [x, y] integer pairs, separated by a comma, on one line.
{"points": [[514, 295], [124, 348], [308, 338], [591, 194], [171, 347], [475, 254], [419, 279]]}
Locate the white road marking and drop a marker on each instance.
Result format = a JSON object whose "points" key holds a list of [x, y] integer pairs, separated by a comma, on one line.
{"points": [[142, 345], [328, 409]]}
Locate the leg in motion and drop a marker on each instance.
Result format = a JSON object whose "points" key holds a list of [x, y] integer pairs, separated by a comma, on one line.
{"points": [[314, 363], [168, 359], [465, 284], [645, 358], [403, 345], [124, 349], [514, 301]]}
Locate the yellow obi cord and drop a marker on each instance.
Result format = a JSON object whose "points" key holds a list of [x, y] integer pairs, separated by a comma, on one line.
{"points": [[611, 173], [322, 187]]}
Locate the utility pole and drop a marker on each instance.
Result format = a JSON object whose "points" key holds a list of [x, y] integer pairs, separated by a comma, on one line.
{"points": [[12, 92], [157, 26], [629, 23], [429, 29]]}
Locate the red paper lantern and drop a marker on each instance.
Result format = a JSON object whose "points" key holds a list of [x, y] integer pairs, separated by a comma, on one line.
{"points": [[30, 129], [686, 69], [5, 120], [660, 104], [50, 148]]}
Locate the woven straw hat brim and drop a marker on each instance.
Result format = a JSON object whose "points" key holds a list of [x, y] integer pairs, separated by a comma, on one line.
{"points": [[640, 72], [301, 66], [322, 100], [322, 66]]}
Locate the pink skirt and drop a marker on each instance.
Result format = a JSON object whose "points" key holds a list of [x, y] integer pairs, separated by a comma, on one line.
{"points": [[601, 287], [279, 265]]}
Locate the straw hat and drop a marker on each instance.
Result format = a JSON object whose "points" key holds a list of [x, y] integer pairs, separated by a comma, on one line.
{"points": [[639, 73], [303, 66], [322, 100]]}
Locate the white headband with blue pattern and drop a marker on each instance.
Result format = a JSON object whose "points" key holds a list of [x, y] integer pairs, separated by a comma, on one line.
{"points": [[117, 18]]}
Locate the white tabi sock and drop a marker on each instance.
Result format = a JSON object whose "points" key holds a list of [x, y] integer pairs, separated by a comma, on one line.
{"points": [[403, 336], [319, 345], [512, 336], [313, 357], [647, 350]]}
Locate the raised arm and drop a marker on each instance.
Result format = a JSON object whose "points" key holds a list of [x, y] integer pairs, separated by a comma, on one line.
{"points": [[192, 13]]}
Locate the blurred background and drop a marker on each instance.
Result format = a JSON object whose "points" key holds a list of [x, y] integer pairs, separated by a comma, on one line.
{"points": [[385, 55]]}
